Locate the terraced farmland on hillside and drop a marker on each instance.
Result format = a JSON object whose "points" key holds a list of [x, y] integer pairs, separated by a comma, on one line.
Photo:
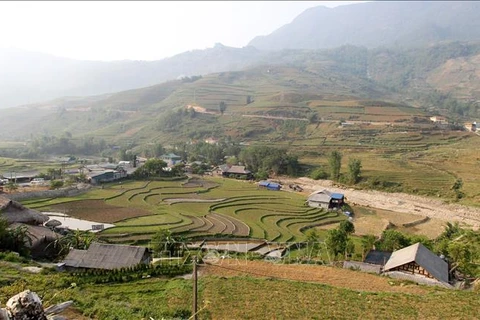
{"points": [[194, 207]]}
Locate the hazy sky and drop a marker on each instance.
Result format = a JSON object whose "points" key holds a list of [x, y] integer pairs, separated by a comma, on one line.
{"points": [[111, 30]]}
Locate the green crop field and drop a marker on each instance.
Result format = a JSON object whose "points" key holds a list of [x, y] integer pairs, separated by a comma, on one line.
{"points": [[246, 296], [207, 206]]}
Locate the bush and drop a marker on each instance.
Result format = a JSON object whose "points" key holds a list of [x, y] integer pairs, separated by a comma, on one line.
{"points": [[55, 184], [318, 173]]}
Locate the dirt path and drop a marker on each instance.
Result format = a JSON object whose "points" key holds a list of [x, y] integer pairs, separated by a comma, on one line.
{"points": [[398, 202], [337, 277]]}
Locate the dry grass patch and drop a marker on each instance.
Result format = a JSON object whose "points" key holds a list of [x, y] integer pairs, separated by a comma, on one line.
{"points": [[337, 277]]}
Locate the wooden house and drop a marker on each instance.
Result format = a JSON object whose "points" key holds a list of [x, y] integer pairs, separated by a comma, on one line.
{"points": [[418, 260]]}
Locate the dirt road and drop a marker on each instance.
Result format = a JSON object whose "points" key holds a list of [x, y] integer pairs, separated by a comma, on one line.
{"points": [[398, 202]]}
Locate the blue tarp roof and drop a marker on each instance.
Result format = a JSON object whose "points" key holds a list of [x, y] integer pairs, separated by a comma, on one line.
{"points": [[263, 183], [337, 196], [273, 185]]}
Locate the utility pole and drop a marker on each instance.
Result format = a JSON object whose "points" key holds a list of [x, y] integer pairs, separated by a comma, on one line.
{"points": [[195, 288]]}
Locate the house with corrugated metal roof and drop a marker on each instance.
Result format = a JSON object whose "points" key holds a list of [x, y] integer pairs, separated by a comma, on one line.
{"points": [[325, 199], [416, 260], [107, 256]]}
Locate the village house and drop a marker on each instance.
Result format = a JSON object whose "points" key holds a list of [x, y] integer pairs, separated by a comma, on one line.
{"points": [[171, 159], [325, 199], [229, 171], [106, 256], [106, 172], [416, 262], [20, 177]]}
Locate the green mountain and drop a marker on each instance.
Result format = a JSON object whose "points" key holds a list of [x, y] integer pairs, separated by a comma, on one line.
{"points": [[277, 99], [377, 24], [29, 77]]}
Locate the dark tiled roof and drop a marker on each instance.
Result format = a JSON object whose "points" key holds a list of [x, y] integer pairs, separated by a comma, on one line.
{"points": [[105, 256]]}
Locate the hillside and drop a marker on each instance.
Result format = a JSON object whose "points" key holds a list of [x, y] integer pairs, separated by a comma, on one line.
{"points": [[283, 83], [276, 90], [377, 24], [29, 77]]}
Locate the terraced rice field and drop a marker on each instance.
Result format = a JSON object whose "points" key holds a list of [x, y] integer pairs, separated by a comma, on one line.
{"points": [[194, 207]]}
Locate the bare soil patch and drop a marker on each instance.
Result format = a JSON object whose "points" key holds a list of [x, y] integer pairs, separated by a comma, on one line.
{"points": [[396, 202], [98, 210], [337, 277]]}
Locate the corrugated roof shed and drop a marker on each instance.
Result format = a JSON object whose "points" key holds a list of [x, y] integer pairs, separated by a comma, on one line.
{"points": [[105, 256], [417, 253]]}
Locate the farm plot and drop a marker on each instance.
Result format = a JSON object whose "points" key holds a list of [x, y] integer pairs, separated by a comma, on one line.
{"points": [[194, 207], [97, 210]]}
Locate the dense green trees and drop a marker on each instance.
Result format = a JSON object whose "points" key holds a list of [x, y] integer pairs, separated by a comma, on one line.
{"points": [[269, 159], [156, 168]]}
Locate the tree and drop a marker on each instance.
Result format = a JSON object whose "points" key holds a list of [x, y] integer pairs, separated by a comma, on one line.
{"points": [[347, 227], [368, 243], [78, 239], [15, 239], [392, 240], [312, 239], [163, 242], [11, 186], [222, 107], [336, 242], [457, 188], [335, 162], [318, 174], [349, 248], [354, 170], [249, 99], [158, 150], [151, 168]]}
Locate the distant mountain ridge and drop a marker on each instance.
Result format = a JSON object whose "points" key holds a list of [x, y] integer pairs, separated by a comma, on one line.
{"points": [[377, 24], [29, 77]]}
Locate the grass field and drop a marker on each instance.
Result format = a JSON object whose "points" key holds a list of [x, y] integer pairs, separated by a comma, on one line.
{"points": [[224, 294]]}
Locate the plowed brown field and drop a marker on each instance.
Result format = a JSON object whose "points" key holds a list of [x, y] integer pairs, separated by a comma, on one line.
{"points": [[98, 210]]}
